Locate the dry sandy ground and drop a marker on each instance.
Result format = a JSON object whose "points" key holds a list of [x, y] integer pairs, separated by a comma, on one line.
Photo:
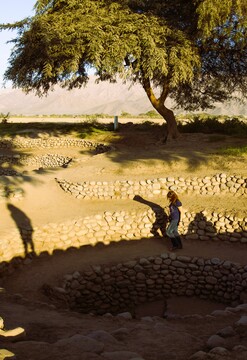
{"points": [[135, 156]]}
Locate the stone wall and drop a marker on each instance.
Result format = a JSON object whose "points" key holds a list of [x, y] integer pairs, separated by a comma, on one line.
{"points": [[8, 162], [123, 286], [12, 164], [116, 226], [50, 142], [127, 189]]}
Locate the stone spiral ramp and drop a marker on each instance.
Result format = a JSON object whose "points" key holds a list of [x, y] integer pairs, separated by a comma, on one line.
{"points": [[24, 304]]}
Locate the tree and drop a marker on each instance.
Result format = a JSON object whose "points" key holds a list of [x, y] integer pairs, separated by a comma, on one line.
{"points": [[193, 51]]}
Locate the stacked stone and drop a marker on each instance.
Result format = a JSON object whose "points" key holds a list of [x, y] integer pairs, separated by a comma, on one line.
{"points": [[211, 225], [51, 142], [9, 159], [117, 226], [6, 144], [123, 286], [6, 164], [46, 161], [8, 172], [127, 189]]}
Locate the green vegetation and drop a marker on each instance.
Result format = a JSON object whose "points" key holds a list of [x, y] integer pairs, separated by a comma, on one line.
{"points": [[219, 127], [83, 130], [151, 114], [4, 118], [88, 117], [214, 125], [125, 114], [233, 151], [191, 51]]}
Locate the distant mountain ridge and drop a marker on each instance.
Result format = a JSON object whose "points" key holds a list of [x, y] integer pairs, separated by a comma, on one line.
{"points": [[102, 98]]}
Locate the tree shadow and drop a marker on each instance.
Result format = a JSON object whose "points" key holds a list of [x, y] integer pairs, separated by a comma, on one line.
{"points": [[12, 169], [35, 129], [12, 174], [24, 226], [132, 143], [145, 140], [161, 218]]}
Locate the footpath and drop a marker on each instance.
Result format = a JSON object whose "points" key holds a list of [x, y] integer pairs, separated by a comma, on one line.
{"points": [[51, 269], [45, 202]]}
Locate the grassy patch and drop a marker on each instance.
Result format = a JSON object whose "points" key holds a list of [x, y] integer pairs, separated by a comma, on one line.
{"points": [[215, 125], [233, 151], [82, 130]]}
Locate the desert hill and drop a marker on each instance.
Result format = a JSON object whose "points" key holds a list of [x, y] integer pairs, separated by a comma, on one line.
{"points": [[102, 98]]}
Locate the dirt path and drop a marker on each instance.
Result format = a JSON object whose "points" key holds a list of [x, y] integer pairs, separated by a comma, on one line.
{"points": [[135, 157], [51, 269]]}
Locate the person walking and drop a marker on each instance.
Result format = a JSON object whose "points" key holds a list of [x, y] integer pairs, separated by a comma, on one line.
{"points": [[174, 219]]}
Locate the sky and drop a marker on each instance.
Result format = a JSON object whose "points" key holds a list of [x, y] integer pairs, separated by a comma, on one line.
{"points": [[11, 11]]}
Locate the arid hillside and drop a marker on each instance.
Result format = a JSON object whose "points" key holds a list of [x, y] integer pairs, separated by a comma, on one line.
{"points": [[103, 98]]}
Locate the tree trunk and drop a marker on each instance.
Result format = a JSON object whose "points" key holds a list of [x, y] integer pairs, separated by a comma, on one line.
{"points": [[172, 130], [158, 104]]}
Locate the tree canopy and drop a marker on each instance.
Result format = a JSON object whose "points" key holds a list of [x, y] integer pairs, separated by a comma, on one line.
{"points": [[193, 51]]}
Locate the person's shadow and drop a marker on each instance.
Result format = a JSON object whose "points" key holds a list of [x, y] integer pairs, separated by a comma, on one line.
{"points": [[24, 226], [161, 218], [200, 223]]}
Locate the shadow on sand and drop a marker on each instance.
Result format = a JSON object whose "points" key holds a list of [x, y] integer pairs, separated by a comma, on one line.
{"points": [[24, 225]]}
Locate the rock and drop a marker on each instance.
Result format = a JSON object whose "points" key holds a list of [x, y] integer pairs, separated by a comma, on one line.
{"points": [[121, 355], [240, 348], [16, 334], [216, 341], [220, 313], [81, 343], [242, 307], [199, 355], [103, 336], [219, 351], [125, 315], [1, 323], [226, 332], [242, 321], [120, 334], [147, 318], [6, 354], [242, 325]]}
